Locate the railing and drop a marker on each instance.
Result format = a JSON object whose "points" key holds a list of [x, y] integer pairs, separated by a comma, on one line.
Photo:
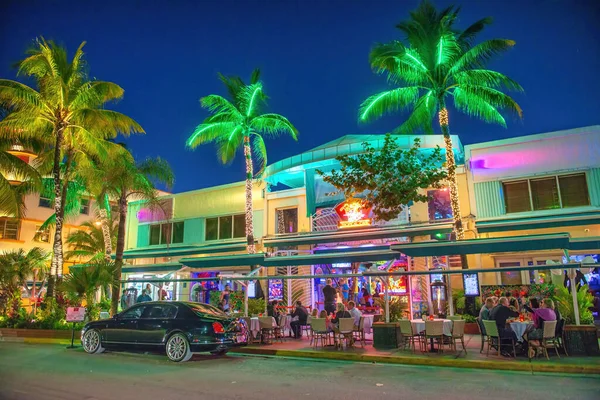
{"points": [[327, 219]]}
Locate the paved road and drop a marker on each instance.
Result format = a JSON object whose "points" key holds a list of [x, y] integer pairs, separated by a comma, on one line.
{"points": [[43, 372]]}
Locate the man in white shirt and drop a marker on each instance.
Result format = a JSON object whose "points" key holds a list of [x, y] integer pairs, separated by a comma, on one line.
{"points": [[354, 312]]}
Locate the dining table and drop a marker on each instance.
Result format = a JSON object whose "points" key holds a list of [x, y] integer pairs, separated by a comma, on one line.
{"points": [[519, 328], [255, 325], [368, 322], [419, 326]]}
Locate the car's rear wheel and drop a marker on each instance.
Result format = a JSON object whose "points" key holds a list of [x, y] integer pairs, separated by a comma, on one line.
{"points": [[92, 343], [178, 348]]}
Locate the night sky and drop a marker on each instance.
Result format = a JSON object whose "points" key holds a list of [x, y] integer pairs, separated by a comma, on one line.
{"points": [[314, 61]]}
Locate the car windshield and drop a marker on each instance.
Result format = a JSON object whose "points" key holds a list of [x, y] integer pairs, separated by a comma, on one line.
{"points": [[201, 308]]}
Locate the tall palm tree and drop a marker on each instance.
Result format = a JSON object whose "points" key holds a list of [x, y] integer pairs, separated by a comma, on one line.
{"points": [[438, 63], [67, 112], [238, 122], [89, 242], [127, 180]]}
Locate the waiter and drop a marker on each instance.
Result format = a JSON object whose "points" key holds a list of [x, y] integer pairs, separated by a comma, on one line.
{"points": [[329, 294]]}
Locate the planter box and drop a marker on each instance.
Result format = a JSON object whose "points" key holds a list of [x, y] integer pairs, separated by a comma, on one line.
{"points": [[471, 328], [581, 340], [386, 335], [36, 333]]}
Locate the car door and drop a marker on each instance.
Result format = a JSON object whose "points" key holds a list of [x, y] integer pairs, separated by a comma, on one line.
{"points": [[124, 329], [154, 323]]}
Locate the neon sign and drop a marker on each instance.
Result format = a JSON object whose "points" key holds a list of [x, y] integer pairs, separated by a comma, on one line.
{"points": [[353, 214]]}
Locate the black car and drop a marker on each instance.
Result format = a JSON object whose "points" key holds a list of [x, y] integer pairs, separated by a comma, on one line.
{"points": [[179, 328]]}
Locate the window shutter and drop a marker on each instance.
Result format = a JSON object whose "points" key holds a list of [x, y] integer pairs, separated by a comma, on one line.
{"points": [[488, 198], [594, 186]]}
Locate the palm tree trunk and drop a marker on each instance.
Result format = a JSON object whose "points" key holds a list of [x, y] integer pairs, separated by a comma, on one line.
{"points": [[116, 287], [451, 167], [249, 175], [105, 232], [57, 248]]}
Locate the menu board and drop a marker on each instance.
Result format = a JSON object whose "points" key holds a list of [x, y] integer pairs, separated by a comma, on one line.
{"points": [[471, 284], [75, 314], [276, 289]]}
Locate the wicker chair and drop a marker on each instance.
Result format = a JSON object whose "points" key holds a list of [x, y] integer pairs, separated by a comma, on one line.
{"points": [[491, 330], [267, 329], [435, 330], [560, 338], [453, 317], [549, 338], [344, 332], [484, 337], [458, 332], [409, 335], [279, 330], [359, 332], [320, 332]]}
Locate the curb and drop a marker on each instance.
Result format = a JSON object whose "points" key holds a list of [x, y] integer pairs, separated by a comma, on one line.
{"points": [[456, 363]]}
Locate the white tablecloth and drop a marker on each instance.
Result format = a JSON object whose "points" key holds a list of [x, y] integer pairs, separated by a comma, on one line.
{"points": [[519, 328], [255, 325], [368, 323], [419, 326]]}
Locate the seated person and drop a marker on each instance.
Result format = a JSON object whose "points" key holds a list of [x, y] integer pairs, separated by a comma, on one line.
{"points": [[313, 314], [355, 313], [299, 317], [539, 315], [341, 313], [500, 314]]}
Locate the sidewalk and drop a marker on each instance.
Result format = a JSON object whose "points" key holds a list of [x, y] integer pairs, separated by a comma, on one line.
{"points": [[471, 359]]}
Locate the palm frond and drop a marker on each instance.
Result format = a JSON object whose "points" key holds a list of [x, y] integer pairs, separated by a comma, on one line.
{"points": [[475, 106], [486, 77], [16, 94], [208, 132], [273, 125], [480, 54], [259, 152], [494, 97], [421, 117], [107, 122], [157, 169], [386, 102], [250, 98], [466, 37], [228, 145], [95, 94], [219, 105]]}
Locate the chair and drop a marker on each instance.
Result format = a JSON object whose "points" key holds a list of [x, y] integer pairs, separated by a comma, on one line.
{"points": [[248, 322], [549, 338], [359, 332], [560, 338], [458, 332], [409, 335], [491, 330], [319, 331], [279, 330], [345, 331], [484, 337], [267, 330], [453, 317], [435, 330]]}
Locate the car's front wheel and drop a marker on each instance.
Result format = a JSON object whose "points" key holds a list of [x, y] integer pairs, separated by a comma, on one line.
{"points": [[178, 348], [92, 342]]}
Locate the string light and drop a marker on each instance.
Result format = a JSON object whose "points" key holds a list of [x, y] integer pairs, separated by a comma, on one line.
{"points": [[249, 223], [443, 116]]}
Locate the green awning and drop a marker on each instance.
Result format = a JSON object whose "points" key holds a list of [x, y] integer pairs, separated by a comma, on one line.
{"points": [[485, 246], [331, 258], [341, 236], [552, 221], [165, 267], [233, 260], [174, 251], [588, 243]]}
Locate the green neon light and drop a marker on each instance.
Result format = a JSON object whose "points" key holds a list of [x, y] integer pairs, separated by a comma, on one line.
{"points": [[372, 104], [252, 101], [195, 135], [440, 50], [427, 99]]}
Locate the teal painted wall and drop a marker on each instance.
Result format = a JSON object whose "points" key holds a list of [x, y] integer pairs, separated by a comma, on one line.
{"points": [[489, 199], [143, 236], [594, 186], [193, 231]]}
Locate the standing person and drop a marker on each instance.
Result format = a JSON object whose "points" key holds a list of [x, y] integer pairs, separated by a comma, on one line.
{"points": [[345, 290], [329, 294], [225, 298], [299, 318], [143, 297], [149, 291], [124, 299]]}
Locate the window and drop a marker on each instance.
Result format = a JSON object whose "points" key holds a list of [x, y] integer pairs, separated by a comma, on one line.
{"points": [[163, 311], [546, 193], [439, 205], [226, 227], [85, 207], [133, 313], [166, 233], [42, 235], [9, 228], [510, 277], [287, 220], [45, 202]]}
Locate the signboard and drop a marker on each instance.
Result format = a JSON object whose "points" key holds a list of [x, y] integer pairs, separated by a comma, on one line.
{"points": [[251, 289], [75, 314], [353, 214], [471, 284], [276, 289], [398, 284]]}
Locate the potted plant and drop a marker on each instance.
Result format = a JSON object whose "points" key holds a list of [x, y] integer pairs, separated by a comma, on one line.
{"points": [[387, 335], [579, 339]]}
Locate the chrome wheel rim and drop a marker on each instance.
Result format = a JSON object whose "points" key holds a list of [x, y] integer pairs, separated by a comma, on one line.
{"points": [[176, 347], [91, 341]]}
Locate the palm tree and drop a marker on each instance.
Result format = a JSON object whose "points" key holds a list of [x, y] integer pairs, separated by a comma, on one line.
{"points": [[127, 180], [238, 122], [82, 282], [89, 242], [67, 112], [438, 63]]}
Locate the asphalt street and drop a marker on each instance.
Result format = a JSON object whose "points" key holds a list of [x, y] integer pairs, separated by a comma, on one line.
{"points": [[44, 372]]}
